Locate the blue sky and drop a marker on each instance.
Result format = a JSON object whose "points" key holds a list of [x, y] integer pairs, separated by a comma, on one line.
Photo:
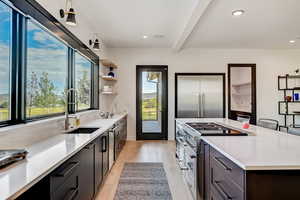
{"points": [[45, 54]]}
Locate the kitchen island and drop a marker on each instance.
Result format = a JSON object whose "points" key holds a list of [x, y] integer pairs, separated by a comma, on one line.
{"points": [[263, 165]]}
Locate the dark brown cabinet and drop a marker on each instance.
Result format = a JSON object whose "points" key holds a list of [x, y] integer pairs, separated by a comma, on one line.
{"points": [[86, 172], [225, 180]]}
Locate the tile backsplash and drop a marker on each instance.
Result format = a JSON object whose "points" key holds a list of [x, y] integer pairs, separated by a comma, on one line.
{"points": [[24, 135]]}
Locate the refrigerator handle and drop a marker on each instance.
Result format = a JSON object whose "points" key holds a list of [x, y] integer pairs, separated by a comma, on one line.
{"points": [[203, 105], [199, 105]]}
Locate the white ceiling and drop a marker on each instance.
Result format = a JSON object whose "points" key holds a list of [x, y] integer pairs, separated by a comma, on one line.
{"points": [[122, 23], [265, 24]]}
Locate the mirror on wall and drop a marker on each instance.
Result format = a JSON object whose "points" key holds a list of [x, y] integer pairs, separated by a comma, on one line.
{"points": [[242, 91]]}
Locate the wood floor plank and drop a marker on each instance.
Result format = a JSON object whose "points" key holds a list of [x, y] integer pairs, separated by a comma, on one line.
{"points": [[147, 151]]}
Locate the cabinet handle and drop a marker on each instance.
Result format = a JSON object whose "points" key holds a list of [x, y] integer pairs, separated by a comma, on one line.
{"points": [[68, 169], [89, 146], [104, 142], [221, 190], [71, 194], [219, 160]]}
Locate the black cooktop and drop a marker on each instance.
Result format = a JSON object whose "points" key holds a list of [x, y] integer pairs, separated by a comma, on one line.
{"points": [[213, 129]]}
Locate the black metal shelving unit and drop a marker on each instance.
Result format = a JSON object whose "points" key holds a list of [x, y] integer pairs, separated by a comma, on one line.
{"points": [[288, 91]]}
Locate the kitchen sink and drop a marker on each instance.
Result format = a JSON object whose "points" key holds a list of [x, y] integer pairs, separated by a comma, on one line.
{"points": [[83, 131]]}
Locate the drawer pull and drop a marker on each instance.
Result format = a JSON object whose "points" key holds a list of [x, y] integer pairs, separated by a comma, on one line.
{"points": [[219, 160], [221, 190], [68, 169], [89, 146], [71, 194]]}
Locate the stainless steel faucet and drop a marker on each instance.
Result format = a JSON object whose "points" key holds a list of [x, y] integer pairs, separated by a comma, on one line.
{"points": [[67, 116]]}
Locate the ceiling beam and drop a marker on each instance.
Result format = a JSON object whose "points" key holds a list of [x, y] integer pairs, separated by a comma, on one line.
{"points": [[197, 13]]}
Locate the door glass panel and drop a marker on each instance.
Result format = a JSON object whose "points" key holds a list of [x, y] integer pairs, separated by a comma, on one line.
{"points": [[151, 102]]}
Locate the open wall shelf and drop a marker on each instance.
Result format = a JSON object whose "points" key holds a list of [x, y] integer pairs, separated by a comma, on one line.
{"points": [[108, 78], [108, 63], [290, 85]]}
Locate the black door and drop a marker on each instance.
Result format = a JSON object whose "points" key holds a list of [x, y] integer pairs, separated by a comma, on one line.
{"points": [[152, 102]]}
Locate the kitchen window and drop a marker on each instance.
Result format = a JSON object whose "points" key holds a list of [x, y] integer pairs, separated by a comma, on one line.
{"points": [[83, 82], [39, 62], [47, 73], [5, 62]]}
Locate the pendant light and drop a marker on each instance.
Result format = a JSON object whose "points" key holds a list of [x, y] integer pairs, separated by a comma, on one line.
{"points": [[71, 15], [95, 43]]}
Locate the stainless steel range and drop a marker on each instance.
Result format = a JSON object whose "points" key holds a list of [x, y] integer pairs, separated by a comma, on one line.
{"points": [[190, 151], [213, 129], [9, 156]]}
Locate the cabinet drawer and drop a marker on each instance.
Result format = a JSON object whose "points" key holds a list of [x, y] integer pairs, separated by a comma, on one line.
{"points": [[68, 190], [224, 185], [60, 175], [226, 167]]}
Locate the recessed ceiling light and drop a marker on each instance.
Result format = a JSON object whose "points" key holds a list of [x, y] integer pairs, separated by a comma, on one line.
{"points": [[158, 36], [292, 41], [238, 12], [145, 36]]}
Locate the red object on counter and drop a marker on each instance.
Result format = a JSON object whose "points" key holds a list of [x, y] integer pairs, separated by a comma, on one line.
{"points": [[246, 125]]}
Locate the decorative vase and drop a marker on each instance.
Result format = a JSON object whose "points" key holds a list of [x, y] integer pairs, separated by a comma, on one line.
{"points": [[111, 73]]}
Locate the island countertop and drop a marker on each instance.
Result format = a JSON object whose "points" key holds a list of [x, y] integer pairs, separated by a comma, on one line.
{"points": [[262, 149], [47, 155]]}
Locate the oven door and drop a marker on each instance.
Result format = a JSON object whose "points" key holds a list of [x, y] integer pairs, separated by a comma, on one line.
{"points": [[180, 152], [191, 173]]}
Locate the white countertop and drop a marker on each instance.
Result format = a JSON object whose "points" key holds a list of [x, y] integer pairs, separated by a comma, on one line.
{"points": [[264, 149], [45, 156]]}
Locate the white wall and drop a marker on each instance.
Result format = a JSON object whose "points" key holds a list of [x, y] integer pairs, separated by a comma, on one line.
{"points": [[270, 64]]}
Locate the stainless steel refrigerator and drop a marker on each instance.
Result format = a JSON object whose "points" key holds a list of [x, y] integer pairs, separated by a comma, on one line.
{"points": [[200, 95]]}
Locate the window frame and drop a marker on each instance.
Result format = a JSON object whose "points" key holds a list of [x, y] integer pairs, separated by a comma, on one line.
{"points": [[21, 12], [92, 82]]}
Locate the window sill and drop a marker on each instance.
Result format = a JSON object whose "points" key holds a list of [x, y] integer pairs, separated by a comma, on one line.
{"points": [[34, 122]]}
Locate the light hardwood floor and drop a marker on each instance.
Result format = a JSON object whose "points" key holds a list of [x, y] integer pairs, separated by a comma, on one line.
{"points": [[147, 151]]}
